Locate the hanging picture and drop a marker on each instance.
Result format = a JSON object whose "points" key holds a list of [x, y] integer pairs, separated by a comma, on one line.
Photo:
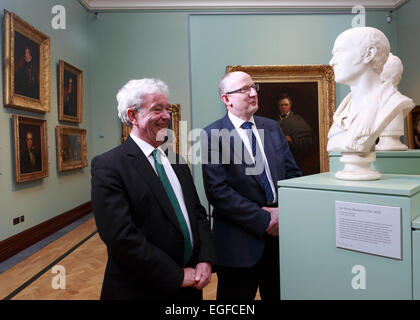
{"points": [[30, 148], [71, 148], [413, 128], [26, 65], [70, 93]]}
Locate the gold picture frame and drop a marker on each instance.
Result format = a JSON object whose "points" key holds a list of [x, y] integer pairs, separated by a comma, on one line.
{"points": [[26, 65], [70, 93], [30, 148], [322, 76], [71, 148], [175, 111], [413, 118]]}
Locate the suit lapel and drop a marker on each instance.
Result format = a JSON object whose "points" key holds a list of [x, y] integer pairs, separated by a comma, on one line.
{"points": [[142, 166], [268, 149]]}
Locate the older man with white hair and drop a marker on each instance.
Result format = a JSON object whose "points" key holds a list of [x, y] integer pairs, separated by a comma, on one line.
{"points": [[147, 209]]}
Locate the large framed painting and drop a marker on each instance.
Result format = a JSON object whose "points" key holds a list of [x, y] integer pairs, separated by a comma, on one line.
{"points": [[70, 93], [175, 112], [26, 65], [413, 128], [71, 148], [30, 148], [308, 91]]}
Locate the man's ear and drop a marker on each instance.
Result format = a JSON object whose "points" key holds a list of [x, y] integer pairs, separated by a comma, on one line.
{"points": [[131, 114], [369, 54], [225, 99]]}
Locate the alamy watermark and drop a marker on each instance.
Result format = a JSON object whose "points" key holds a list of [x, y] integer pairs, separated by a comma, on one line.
{"points": [[218, 146]]}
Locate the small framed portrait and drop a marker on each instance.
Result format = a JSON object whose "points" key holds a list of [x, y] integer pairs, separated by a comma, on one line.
{"points": [[70, 93], [301, 99], [71, 148], [26, 65], [175, 111], [413, 128], [30, 148]]}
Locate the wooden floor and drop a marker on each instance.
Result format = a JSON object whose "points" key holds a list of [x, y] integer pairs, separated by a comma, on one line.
{"points": [[84, 269]]}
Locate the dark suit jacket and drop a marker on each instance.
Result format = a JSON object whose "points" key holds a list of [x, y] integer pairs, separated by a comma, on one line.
{"points": [[25, 161], [239, 221], [136, 221]]}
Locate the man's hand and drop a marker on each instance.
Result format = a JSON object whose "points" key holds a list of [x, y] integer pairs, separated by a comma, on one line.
{"points": [[289, 139], [273, 226], [202, 275], [189, 277]]}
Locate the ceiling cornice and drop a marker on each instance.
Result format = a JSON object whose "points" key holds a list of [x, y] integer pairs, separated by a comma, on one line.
{"points": [[234, 4]]}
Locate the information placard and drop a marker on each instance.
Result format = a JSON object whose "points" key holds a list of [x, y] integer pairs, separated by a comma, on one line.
{"points": [[368, 228]]}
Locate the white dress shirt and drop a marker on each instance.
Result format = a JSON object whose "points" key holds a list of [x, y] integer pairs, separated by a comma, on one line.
{"points": [[237, 123], [173, 179]]}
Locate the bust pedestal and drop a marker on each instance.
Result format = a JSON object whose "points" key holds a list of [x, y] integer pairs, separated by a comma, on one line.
{"points": [[357, 166]]}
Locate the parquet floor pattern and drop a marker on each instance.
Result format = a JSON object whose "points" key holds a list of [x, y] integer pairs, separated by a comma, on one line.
{"points": [[84, 269]]}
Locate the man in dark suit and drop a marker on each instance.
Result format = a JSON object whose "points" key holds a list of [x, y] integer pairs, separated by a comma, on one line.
{"points": [[246, 157], [147, 209], [30, 157]]}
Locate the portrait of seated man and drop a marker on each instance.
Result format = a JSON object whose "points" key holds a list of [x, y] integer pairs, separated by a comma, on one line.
{"points": [[297, 131], [359, 55], [30, 156]]}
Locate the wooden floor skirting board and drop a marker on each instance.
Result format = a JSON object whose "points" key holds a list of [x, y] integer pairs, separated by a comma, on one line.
{"points": [[21, 241]]}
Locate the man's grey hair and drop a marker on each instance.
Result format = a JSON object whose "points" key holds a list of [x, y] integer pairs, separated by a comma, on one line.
{"points": [[130, 96], [366, 37], [393, 70]]}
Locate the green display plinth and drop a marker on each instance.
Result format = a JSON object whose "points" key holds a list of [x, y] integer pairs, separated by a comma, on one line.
{"points": [[392, 162], [313, 267]]}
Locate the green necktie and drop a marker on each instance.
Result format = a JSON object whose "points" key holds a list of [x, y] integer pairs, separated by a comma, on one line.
{"points": [[175, 205]]}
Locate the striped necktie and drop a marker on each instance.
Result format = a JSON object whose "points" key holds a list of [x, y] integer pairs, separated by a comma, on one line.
{"points": [[175, 204], [263, 176]]}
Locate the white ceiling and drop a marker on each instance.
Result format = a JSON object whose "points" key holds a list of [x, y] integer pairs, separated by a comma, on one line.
{"points": [[235, 4]]}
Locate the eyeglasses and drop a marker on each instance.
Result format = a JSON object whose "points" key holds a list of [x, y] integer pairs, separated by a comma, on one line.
{"points": [[246, 89]]}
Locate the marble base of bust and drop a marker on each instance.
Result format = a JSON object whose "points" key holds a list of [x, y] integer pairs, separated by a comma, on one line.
{"points": [[357, 167], [390, 143]]}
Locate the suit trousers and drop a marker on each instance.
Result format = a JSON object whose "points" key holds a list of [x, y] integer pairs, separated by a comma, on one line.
{"points": [[242, 283]]}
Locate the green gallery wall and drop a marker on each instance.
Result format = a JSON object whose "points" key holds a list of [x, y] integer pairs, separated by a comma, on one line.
{"points": [[189, 50]]}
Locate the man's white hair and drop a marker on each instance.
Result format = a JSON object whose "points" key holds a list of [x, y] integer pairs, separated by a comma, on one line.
{"points": [[130, 96]]}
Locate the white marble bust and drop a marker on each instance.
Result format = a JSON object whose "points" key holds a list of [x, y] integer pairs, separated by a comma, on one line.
{"points": [[389, 139], [359, 56]]}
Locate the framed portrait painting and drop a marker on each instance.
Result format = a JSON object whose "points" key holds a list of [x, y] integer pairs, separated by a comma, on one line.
{"points": [[302, 100], [70, 93], [30, 148], [71, 148], [173, 141], [413, 128], [26, 65]]}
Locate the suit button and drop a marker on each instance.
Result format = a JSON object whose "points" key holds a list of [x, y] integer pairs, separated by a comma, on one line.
{"points": [[180, 238]]}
